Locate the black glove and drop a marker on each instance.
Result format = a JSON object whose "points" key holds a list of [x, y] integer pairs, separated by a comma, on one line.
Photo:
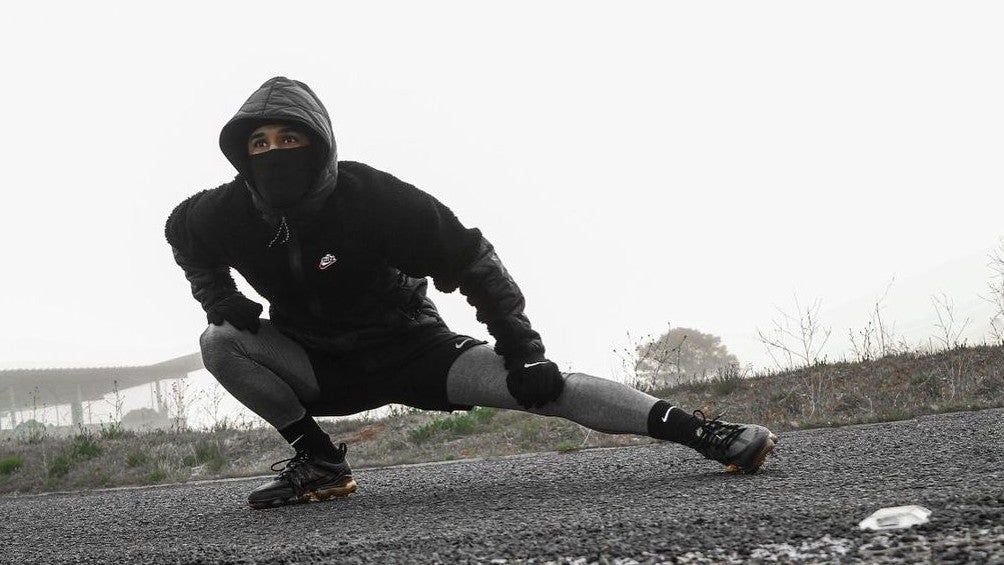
{"points": [[534, 382], [237, 309]]}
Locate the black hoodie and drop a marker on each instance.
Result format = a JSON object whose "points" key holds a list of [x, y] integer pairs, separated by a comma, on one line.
{"points": [[344, 271]]}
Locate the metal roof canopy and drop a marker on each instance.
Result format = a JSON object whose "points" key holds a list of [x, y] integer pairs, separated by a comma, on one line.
{"points": [[60, 386]]}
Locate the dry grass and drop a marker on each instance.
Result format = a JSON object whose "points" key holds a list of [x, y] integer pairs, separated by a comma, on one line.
{"points": [[890, 388]]}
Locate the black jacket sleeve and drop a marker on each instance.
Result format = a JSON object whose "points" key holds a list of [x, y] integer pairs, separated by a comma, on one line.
{"points": [[499, 303], [206, 272], [426, 239]]}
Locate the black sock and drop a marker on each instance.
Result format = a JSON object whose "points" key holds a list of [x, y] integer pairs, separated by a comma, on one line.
{"points": [[305, 435], [672, 423]]}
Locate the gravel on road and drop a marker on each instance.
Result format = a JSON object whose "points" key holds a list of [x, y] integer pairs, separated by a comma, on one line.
{"points": [[645, 504]]}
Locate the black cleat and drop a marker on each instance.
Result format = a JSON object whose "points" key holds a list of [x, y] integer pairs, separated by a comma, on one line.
{"points": [[305, 478], [740, 447]]}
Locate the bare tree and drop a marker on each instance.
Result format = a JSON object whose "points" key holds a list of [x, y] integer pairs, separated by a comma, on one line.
{"points": [[179, 402], [117, 403], [877, 339], [950, 333], [638, 360], [996, 297], [211, 408], [796, 339], [863, 343], [658, 356]]}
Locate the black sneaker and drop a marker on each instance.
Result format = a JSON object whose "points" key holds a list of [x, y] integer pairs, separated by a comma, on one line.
{"points": [[740, 447], [305, 478]]}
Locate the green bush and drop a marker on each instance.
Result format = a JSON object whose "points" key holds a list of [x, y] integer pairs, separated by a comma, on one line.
{"points": [[726, 380], [30, 432], [113, 431], [101, 480], [461, 424], [83, 447], [136, 459], [457, 424], [10, 464], [726, 387], [531, 430], [484, 415], [60, 465], [567, 446], [422, 433], [208, 454]]}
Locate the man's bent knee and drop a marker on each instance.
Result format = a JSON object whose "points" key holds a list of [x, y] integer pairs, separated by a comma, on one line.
{"points": [[217, 342]]}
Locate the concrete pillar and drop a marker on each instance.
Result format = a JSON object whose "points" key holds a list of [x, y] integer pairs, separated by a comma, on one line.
{"points": [[161, 404], [77, 410], [13, 409]]}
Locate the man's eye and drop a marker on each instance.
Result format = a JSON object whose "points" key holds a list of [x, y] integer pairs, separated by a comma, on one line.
{"points": [[259, 143], [290, 139]]}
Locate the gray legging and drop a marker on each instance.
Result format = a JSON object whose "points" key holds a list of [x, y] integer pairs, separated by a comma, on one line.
{"points": [[272, 375]]}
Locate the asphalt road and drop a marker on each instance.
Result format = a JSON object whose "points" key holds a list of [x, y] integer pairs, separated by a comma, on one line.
{"points": [[654, 503]]}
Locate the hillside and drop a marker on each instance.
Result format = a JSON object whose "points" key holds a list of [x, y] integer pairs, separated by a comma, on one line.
{"points": [[891, 388]]}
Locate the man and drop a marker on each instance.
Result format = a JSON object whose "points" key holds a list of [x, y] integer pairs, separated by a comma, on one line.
{"points": [[342, 252]]}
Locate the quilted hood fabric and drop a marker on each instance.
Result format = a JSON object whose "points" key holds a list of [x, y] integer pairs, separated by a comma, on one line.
{"points": [[281, 99]]}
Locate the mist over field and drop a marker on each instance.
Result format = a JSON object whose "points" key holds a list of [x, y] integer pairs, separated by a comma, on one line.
{"points": [[638, 167]]}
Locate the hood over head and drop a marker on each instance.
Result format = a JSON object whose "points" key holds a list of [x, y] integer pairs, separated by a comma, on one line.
{"points": [[282, 100]]}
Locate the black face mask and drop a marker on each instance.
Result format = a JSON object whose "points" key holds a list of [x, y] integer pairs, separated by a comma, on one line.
{"points": [[283, 176]]}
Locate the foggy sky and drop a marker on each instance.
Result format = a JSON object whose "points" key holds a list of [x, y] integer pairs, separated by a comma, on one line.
{"points": [[635, 164]]}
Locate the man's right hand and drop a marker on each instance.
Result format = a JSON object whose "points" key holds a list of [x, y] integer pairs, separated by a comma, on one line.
{"points": [[237, 309], [534, 381]]}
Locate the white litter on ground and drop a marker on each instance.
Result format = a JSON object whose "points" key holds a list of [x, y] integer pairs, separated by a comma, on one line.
{"points": [[896, 517]]}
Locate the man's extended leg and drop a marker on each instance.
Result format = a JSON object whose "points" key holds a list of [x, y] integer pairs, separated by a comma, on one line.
{"points": [[272, 375], [478, 378]]}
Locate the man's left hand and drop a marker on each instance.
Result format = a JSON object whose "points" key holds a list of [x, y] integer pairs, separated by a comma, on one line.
{"points": [[535, 382]]}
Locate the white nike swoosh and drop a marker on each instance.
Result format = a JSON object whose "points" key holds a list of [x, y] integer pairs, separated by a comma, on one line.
{"points": [[461, 344], [528, 365], [666, 415]]}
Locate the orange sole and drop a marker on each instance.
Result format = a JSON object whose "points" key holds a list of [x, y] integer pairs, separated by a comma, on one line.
{"points": [[334, 492], [340, 491]]}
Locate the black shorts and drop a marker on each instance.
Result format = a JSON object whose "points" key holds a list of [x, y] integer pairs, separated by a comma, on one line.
{"points": [[349, 387]]}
